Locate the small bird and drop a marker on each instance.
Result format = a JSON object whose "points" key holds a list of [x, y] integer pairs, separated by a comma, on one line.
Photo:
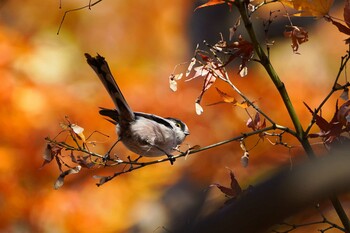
{"points": [[142, 133]]}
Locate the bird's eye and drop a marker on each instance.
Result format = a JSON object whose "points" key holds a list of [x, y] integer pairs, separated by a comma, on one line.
{"points": [[178, 125]]}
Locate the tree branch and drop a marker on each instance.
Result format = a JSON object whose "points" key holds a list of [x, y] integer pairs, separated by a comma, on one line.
{"points": [[301, 135]]}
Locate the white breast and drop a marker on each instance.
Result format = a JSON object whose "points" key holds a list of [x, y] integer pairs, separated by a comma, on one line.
{"points": [[150, 138]]}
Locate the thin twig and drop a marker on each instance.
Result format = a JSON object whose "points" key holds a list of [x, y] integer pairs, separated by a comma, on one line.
{"points": [[226, 79], [135, 164], [335, 87], [75, 9]]}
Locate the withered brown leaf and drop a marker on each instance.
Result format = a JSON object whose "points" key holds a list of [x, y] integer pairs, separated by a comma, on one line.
{"points": [[298, 35]]}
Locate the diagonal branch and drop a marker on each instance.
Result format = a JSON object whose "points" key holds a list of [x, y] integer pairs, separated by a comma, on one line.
{"points": [[131, 165], [272, 200]]}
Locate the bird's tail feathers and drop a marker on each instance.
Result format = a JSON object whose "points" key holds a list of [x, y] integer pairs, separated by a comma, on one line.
{"points": [[101, 68]]}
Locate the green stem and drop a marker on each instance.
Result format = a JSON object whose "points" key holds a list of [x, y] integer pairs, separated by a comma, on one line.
{"points": [[341, 213], [264, 60], [300, 133]]}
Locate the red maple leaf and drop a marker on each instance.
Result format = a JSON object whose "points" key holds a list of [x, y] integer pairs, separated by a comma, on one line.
{"points": [[331, 132], [233, 191]]}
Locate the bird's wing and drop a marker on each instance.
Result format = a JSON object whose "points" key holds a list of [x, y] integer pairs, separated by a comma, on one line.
{"points": [[114, 115]]}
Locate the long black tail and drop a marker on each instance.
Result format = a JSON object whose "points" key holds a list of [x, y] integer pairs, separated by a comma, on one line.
{"points": [[101, 68]]}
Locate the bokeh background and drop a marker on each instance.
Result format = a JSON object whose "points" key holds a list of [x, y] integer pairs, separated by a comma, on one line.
{"points": [[44, 77]]}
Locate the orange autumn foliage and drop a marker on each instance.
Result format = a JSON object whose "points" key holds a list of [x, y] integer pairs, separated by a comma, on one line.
{"points": [[45, 77]]}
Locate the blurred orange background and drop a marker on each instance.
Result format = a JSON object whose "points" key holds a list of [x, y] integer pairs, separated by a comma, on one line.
{"points": [[45, 78]]}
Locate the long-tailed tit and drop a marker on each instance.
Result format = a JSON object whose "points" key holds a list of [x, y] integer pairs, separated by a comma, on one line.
{"points": [[143, 133]]}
